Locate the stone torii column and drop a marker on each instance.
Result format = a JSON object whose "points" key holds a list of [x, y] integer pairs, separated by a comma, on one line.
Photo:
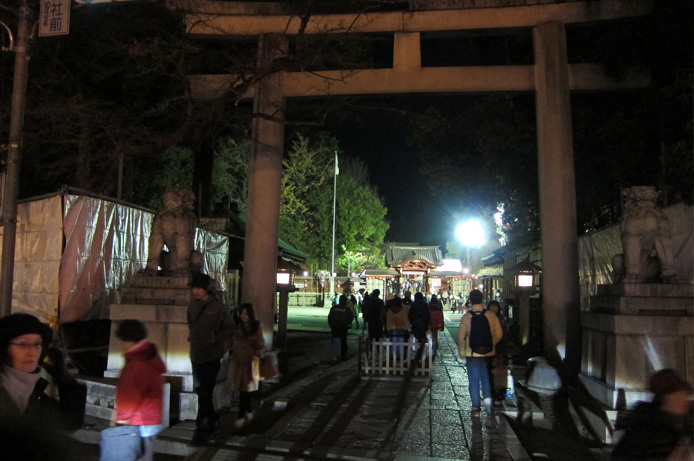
{"points": [[557, 186], [264, 189]]}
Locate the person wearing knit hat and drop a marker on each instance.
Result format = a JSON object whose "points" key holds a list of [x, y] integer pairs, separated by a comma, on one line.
{"points": [[30, 419], [659, 429], [666, 382]]}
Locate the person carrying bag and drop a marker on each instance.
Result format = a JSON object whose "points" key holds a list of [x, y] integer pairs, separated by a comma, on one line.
{"points": [[137, 418]]}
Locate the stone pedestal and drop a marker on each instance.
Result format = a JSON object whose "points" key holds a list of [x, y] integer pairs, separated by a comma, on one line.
{"points": [[631, 331], [161, 304]]}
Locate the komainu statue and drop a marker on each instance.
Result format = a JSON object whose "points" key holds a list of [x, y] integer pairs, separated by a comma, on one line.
{"points": [[174, 226], [645, 232]]}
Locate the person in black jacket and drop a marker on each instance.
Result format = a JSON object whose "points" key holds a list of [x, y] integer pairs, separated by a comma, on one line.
{"points": [[373, 315], [211, 331], [658, 430], [339, 319], [419, 317], [34, 422]]}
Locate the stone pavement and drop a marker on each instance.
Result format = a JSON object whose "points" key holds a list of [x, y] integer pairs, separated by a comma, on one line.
{"points": [[326, 411], [323, 410]]}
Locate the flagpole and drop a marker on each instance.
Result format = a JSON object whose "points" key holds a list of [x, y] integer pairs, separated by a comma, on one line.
{"points": [[332, 266]]}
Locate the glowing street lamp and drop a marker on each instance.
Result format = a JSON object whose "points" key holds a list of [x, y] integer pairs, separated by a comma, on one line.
{"points": [[471, 234]]}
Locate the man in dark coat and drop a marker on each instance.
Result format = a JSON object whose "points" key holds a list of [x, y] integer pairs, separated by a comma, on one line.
{"points": [[419, 317], [339, 319], [211, 329], [372, 310]]}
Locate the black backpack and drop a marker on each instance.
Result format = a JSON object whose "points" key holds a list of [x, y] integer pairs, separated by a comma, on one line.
{"points": [[480, 334]]}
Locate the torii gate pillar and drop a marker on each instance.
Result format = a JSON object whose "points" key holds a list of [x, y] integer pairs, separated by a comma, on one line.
{"points": [[557, 186], [264, 190]]}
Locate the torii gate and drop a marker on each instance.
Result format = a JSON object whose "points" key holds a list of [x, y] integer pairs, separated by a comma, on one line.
{"points": [[551, 78]]}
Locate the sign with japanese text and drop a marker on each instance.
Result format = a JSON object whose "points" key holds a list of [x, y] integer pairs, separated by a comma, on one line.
{"points": [[55, 18]]}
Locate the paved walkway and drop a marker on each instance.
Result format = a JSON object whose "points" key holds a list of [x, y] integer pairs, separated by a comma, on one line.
{"points": [[326, 411]]}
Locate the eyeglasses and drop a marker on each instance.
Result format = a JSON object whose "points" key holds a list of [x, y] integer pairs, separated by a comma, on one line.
{"points": [[27, 346]]}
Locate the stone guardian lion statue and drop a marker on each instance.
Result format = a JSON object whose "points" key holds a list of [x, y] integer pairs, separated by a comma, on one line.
{"points": [[645, 232], [174, 226]]}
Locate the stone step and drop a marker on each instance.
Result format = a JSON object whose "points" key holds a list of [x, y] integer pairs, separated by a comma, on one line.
{"points": [[145, 281], [652, 290], [661, 325], [170, 313], [638, 305], [149, 295]]}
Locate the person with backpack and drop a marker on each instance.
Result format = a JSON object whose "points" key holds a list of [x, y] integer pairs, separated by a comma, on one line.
{"points": [[478, 335]]}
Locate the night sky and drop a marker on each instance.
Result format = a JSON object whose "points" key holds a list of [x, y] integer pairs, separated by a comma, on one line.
{"points": [[380, 140]]}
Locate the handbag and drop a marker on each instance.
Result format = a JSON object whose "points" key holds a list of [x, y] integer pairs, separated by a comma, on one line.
{"points": [[255, 369], [267, 368], [120, 443]]}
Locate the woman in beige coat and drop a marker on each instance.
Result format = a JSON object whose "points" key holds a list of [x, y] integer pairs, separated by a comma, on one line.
{"points": [[248, 343]]}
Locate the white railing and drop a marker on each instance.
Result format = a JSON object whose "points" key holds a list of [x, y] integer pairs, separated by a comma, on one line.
{"points": [[385, 358]]}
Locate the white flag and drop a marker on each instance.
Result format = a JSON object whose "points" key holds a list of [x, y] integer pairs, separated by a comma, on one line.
{"points": [[337, 170]]}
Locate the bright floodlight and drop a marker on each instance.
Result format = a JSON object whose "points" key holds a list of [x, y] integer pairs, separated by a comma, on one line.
{"points": [[471, 234]]}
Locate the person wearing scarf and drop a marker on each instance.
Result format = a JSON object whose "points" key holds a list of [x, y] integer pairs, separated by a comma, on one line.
{"points": [[33, 420]]}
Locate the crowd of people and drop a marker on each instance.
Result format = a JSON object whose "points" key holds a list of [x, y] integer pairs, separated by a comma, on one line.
{"points": [[41, 402]]}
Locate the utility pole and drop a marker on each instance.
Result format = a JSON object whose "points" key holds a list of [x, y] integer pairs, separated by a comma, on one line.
{"points": [[14, 157], [332, 264]]}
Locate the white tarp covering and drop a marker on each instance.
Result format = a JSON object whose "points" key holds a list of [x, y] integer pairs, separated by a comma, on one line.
{"points": [[37, 257], [595, 252], [104, 244]]}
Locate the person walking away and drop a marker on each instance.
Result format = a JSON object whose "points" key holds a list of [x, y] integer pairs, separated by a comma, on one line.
{"points": [[435, 321], [211, 329], [662, 428], [479, 332], [498, 365], [139, 394], [372, 311], [398, 325], [444, 297], [248, 343], [362, 298], [419, 321], [352, 305], [339, 319], [34, 424], [407, 299]]}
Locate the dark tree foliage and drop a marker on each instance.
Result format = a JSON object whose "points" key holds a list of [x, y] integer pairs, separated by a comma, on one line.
{"points": [[114, 90], [641, 137]]}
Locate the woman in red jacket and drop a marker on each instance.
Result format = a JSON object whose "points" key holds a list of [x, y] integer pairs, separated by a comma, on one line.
{"points": [[139, 390]]}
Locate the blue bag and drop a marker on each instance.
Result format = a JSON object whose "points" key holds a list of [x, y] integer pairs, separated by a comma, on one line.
{"points": [[121, 443]]}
